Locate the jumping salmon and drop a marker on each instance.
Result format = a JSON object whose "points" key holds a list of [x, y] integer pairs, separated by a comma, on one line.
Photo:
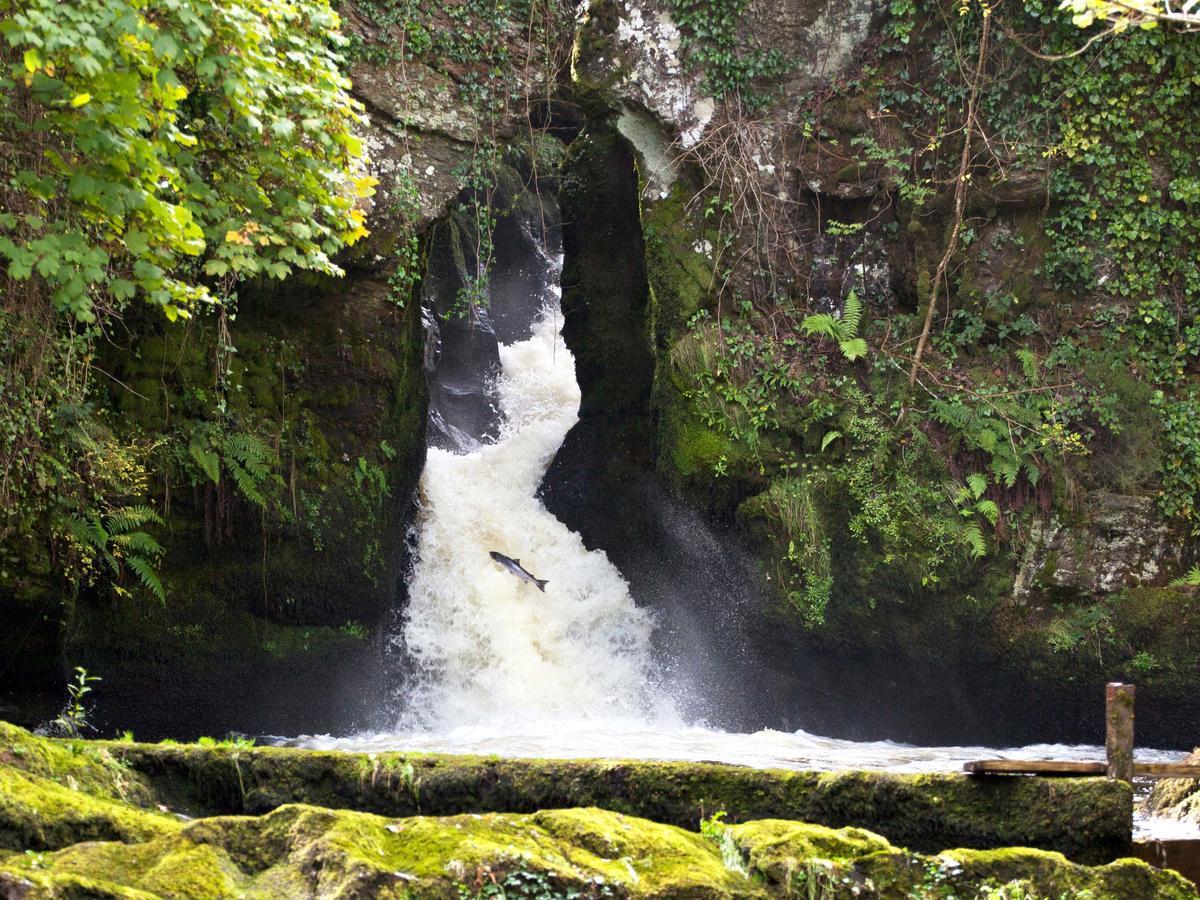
{"points": [[514, 566]]}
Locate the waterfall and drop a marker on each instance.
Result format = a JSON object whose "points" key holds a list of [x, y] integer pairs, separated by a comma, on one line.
{"points": [[488, 649], [497, 666]]}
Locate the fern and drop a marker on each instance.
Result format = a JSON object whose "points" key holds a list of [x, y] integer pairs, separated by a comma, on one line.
{"points": [[146, 574], [823, 325], [1005, 467], [852, 312], [1189, 579], [853, 349], [1032, 471], [978, 484], [246, 483], [138, 542], [250, 464], [972, 537], [129, 518], [953, 414], [844, 330], [989, 510], [90, 532], [208, 461], [248, 460], [1029, 363], [118, 541], [829, 438]]}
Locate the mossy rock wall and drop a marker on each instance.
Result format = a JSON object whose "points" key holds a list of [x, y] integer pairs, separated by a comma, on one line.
{"points": [[83, 819], [1087, 819], [304, 851], [270, 611]]}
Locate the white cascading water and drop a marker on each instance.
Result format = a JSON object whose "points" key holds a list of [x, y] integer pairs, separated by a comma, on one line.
{"points": [[492, 650]]}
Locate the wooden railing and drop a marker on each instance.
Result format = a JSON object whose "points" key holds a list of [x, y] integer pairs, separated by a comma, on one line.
{"points": [[1118, 748]]}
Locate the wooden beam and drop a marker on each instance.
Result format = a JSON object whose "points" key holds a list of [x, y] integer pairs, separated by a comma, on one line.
{"points": [[1165, 770], [1033, 767], [1071, 767], [1118, 733]]}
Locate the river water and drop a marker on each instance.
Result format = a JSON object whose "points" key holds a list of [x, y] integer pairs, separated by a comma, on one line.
{"points": [[498, 667]]}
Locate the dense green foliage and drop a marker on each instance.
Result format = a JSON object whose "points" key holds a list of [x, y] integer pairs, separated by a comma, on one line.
{"points": [[1029, 395], [713, 45], [160, 152], [147, 135]]}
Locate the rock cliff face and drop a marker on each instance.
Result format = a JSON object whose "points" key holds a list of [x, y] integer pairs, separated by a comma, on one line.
{"points": [[746, 162], [765, 135], [1123, 542]]}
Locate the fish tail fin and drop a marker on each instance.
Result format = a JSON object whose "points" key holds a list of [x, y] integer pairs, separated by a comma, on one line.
{"points": [[541, 583]]}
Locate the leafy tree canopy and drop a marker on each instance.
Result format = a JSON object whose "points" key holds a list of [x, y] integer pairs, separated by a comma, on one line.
{"points": [[167, 148], [1121, 14]]}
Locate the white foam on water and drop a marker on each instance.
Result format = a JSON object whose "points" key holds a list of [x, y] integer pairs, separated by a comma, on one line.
{"points": [[490, 649]]}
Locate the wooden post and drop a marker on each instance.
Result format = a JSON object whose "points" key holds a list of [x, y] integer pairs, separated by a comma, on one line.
{"points": [[1118, 739]]}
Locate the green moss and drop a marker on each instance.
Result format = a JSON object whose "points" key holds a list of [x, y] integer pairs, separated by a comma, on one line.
{"points": [[659, 860], [679, 271], [1052, 875], [776, 849], [86, 766], [1088, 819], [305, 851], [38, 814], [1177, 798], [97, 845], [695, 449], [809, 860]]}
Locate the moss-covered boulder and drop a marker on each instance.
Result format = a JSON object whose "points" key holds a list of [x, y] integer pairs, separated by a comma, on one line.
{"points": [[1177, 798], [304, 851], [54, 794], [83, 819], [1087, 819], [798, 859]]}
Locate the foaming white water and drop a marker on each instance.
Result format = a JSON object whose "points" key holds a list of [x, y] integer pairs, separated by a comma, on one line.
{"points": [[492, 650], [760, 749], [623, 739]]}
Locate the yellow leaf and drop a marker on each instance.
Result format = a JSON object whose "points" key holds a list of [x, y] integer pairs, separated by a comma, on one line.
{"points": [[80, 99], [33, 61], [1142, 198], [365, 187]]}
